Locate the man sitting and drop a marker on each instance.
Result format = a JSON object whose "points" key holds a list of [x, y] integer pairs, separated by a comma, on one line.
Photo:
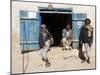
{"points": [[67, 38]]}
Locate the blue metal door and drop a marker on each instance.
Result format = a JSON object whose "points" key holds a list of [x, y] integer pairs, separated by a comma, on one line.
{"points": [[77, 23], [29, 33]]}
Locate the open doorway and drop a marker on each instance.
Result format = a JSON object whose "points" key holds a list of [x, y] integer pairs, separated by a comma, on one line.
{"points": [[55, 22]]}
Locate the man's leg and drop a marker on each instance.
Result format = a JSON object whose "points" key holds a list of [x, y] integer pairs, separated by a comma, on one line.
{"points": [[64, 41], [43, 52], [84, 49], [88, 53], [47, 63], [65, 46], [69, 44], [45, 59], [48, 43], [47, 47]]}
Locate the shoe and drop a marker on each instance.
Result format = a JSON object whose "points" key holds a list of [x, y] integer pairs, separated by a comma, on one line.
{"points": [[62, 48], [49, 49], [88, 61], [83, 61], [43, 59], [48, 64], [70, 48], [66, 48]]}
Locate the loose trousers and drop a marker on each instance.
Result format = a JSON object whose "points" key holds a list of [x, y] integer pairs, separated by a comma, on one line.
{"points": [[43, 51], [86, 49], [66, 43]]}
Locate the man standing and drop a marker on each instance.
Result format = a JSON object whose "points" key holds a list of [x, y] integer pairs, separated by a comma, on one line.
{"points": [[45, 40], [67, 38], [86, 39]]}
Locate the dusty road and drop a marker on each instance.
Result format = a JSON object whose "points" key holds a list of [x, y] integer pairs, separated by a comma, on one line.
{"points": [[60, 60]]}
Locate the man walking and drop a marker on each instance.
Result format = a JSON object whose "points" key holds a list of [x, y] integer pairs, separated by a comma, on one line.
{"points": [[45, 40], [86, 39]]}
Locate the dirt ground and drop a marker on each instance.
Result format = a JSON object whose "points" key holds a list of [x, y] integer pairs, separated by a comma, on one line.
{"points": [[60, 60]]}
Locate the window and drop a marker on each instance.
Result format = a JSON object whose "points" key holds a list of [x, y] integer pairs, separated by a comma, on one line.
{"points": [[77, 22], [29, 30]]}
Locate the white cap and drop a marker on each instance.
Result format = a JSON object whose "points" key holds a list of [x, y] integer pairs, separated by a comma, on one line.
{"points": [[43, 25]]}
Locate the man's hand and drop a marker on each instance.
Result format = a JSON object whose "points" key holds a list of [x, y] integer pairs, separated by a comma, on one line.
{"points": [[52, 41], [49, 49], [81, 42], [43, 46]]}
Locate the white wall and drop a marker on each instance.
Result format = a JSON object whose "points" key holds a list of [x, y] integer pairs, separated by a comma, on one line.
{"points": [[90, 11], [31, 6], [5, 36]]}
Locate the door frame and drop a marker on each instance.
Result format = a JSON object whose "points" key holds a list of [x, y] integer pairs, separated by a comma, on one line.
{"points": [[55, 12]]}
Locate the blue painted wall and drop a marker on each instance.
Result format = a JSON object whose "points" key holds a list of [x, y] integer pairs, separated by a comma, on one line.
{"points": [[29, 32], [77, 23]]}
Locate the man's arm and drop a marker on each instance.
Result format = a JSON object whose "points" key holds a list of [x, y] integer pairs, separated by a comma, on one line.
{"points": [[71, 34], [92, 36], [50, 36], [81, 35], [63, 33], [41, 41]]}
